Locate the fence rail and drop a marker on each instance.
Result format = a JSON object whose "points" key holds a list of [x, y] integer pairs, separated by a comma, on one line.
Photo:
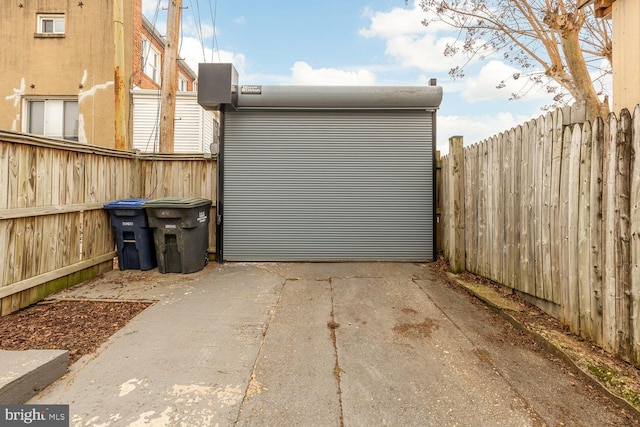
{"points": [[553, 211], [53, 230]]}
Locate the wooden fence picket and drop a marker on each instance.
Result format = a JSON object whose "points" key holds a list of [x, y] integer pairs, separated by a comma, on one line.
{"points": [[622, 236], [546, 127], [53, 229], [555, 214], [483, 201], [517, 206], [584, 242], [609, 334], [634, 232], [570, 300], [596, 264], [526, 262], [537, 131], [554, 200], [470, 165]]}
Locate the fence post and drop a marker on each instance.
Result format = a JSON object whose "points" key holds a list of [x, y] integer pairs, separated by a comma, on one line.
{"points": [[456, 204], [137, 177], [439, 245]]}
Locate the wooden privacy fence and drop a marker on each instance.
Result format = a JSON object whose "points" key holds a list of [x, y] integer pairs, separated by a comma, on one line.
{"points": [[553, 211], [54, 231]]}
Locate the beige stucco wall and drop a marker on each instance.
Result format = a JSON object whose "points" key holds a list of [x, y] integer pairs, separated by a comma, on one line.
{"points": [[78, 65], [626, 54]]}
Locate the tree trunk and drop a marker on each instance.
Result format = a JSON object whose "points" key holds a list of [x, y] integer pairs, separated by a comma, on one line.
{"points": [[585, 90]]}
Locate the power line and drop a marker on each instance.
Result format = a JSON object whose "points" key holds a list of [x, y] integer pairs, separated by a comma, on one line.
{"points": [[197, 17], [204, 55], [154, 132], [214, 40], [153, 25]]}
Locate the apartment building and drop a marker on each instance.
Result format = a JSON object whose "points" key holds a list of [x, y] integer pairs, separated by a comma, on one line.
{"points": [[58, 64]]}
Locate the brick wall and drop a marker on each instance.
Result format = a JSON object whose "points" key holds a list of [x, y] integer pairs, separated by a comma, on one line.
{"points": [[137, 42], [140, 79]]}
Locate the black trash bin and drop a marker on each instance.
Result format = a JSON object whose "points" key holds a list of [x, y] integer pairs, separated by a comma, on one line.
{"points": [[181, 233], [134, 238]]}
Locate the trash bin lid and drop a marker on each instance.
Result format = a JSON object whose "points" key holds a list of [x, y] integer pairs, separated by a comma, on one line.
{"points": [[125, 204], [177, 202]]}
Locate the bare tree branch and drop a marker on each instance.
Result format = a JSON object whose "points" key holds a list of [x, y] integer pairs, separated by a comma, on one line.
{"points": [[565, 42]]}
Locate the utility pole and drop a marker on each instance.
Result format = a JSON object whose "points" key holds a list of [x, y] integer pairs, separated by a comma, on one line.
{"points": [[119, 88], [169, 70]]}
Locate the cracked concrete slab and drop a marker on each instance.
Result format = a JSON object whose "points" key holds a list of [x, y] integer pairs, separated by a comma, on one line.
{"points": [[401, 356], [293, 381], [317, 344], [186, 360]]}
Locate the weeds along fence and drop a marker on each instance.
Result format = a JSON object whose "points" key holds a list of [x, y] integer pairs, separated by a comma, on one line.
{"points": [[553, 212], [54, 232]]}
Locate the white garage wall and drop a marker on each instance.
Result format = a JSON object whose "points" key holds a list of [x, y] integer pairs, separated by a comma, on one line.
{"points": [[195, 128]]}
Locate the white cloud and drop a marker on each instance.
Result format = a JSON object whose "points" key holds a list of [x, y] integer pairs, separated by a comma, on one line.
{"points": [[191, 28], [397, 22], [408, 41], [482, 86], [240, 21], [156, 12], [423, 52], [304, 74], [412, 45], [191, 51], [149, 6]]}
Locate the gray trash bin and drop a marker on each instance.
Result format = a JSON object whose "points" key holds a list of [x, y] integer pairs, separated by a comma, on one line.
{"points": [[181, 233]]}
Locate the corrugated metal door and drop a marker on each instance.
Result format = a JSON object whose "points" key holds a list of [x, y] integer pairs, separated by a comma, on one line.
{"points": [[328, 186]]}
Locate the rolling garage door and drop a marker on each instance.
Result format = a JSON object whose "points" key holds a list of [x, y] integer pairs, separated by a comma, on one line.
{"points": [[328, 185]]}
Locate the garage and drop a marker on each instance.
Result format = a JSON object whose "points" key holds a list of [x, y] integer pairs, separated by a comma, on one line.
{"points": [[310, 173]]}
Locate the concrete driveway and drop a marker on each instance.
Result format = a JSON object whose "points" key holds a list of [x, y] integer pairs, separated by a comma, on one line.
{"points": [[353, 344]]}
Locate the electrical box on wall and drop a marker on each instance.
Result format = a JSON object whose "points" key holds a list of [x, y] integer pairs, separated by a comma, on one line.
{"points": [[217, 85]]}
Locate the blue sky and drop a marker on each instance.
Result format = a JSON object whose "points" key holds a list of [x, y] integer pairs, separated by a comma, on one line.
{"points": [[366, 42]]}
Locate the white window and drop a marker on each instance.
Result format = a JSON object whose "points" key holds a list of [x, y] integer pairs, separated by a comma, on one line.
{"points": [[183, 84], [50, 24], [150, 60], [56, 118]]}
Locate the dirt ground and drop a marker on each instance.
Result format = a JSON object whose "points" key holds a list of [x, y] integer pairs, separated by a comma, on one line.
{"points": [[82, 326], [603, 369], [77, 326]]}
